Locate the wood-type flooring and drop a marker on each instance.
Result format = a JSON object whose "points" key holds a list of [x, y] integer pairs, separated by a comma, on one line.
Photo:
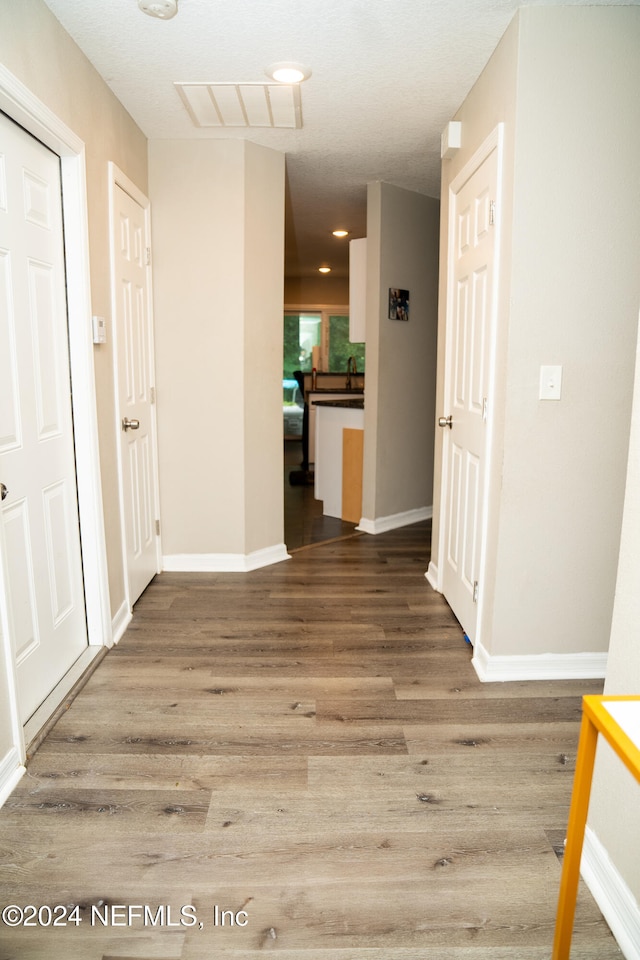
{"points": [[300, 763]]}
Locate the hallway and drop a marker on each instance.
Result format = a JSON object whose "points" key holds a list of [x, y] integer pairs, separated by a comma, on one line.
{"points": [[307, 748]]}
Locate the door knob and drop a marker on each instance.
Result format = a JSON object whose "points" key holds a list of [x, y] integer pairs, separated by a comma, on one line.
{"points": [[4, 493], [445, 422], [130, 424]]}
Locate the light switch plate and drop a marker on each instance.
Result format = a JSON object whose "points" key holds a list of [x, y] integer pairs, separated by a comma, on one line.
{"points": [[99, 329], [550, 382]]}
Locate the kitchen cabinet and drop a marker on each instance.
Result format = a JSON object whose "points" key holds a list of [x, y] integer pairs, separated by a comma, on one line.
{"points": [[335, 420]]}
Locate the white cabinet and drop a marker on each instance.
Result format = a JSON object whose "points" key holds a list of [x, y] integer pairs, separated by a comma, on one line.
{"points": [[312, 399], [330, 423]]}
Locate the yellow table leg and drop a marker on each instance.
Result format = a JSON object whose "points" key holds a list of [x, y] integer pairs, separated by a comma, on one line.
{"points": [[575, 837]]}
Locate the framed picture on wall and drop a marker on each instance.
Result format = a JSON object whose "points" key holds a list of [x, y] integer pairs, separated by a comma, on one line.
{"points": [[398, 304]]}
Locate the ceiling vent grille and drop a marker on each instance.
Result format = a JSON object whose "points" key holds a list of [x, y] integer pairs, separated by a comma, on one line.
{"points": [[242, 104]]}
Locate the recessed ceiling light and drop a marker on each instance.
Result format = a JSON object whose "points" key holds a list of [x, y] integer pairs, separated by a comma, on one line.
{"points": [[288, 72], [324, 269], [162, 9], [340, 233]]}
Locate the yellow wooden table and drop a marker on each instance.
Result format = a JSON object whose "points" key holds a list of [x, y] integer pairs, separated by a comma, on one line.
{"points": [[617, 719]]}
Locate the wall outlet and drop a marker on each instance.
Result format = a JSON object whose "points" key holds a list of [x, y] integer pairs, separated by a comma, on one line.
{"points": [[550, 382]]}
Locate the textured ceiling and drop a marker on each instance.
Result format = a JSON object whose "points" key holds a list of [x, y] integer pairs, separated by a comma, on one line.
{"points": [[387, 76]]}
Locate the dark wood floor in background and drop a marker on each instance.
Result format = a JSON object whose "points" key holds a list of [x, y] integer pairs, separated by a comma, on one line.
{"points": [[309, 744], [304, 521]]}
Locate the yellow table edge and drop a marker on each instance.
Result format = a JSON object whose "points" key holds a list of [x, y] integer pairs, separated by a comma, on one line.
{"points": [[596, 719], [607, 725]]}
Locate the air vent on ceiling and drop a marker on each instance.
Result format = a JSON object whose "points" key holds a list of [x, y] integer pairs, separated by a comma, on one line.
{"points": [[242, 104]]}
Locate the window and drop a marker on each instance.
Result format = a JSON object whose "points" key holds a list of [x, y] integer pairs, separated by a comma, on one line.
{"points": [[341, 348], [324, 329]]}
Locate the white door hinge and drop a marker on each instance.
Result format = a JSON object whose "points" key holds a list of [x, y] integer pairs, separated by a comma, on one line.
{"points": [[148, 256], [475, 591], [152, 395], [484, 409], [157, 528], [492, 213]]}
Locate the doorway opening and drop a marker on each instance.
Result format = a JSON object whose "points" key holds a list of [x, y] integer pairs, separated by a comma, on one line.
{"points": [[317, 350]]}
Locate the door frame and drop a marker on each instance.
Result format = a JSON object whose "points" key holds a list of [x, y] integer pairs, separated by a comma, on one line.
{"points": [[495, 141], [117, 178], [25, 109]]}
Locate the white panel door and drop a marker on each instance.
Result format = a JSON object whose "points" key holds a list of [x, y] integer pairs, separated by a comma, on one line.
{"points": [[134, 337], [471, 291], [40, 535]]}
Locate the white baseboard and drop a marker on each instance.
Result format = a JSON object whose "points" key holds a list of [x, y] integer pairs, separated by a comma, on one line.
{"points": [[432, 576], [120, 622], [224, 562], [11, 770], [618, 905], [382, 524], [544, 666]]}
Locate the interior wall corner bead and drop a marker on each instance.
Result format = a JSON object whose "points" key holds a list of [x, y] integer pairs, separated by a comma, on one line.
{"points": [[451, 139]]}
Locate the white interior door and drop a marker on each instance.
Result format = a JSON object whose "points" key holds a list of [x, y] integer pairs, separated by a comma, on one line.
{"points": [[472, 288], [135, 367], [40, 533]]}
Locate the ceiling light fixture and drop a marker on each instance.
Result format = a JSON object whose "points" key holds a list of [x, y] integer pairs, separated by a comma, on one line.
{"points": [[340, 233], [162, 9], [324, 269], [288, 72]]}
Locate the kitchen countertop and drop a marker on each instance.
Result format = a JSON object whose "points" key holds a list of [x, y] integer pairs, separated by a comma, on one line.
{"points": [[357, 403], [356, 390]]}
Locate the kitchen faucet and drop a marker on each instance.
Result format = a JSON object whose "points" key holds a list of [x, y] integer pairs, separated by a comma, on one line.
{"points": [[351, 369]]}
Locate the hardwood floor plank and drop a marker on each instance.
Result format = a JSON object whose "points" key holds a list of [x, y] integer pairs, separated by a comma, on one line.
{"points": [[195, 737], [115, 810], [166, 772], [451, 681], [470, 737], [126, 680], [534, 709]]}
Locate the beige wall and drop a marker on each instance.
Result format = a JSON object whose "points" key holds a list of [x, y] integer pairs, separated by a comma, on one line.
{"points": [[575, 289], [218, 268], [564, 81], [35, 48], [263, 347], [402, 251]]}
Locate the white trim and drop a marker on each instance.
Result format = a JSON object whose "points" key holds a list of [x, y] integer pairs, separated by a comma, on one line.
{"points": [[618, 905], [544, 666], [117, 178], [121, 621], [495, 141], [22, 106], [224, 562], [382, 524], [433, 576], [8, 660], [11, 771]]}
